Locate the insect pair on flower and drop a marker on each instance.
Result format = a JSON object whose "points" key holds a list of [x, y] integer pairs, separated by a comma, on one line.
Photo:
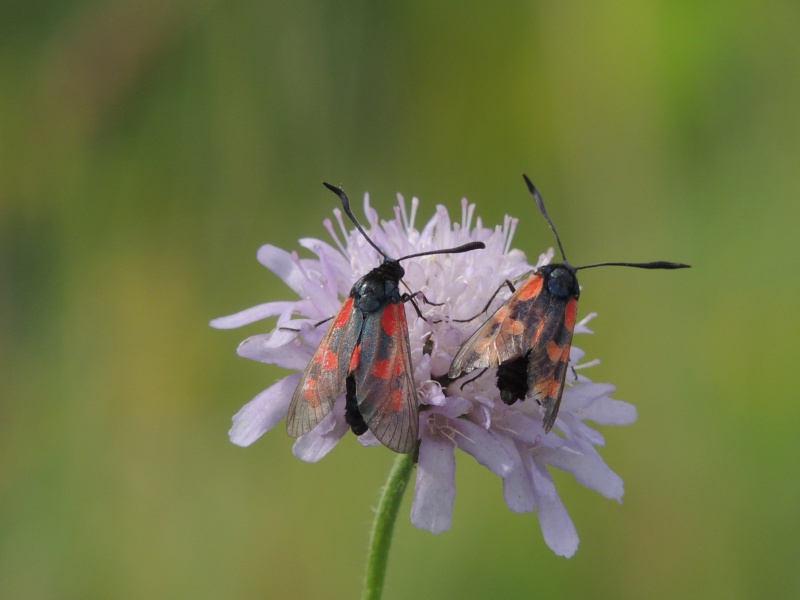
{"points": [[365, 354]]}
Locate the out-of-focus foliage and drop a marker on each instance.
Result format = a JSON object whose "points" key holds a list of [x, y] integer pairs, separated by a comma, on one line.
{"points": [[148, 148]]}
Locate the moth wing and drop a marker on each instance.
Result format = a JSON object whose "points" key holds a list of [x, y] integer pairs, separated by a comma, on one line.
{"points": [[323, 380], [510, 332], [548, 361], [385, 389]]}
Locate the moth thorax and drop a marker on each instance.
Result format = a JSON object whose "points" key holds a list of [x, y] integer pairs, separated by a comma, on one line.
{"points": [[562, 282], [369, 292], [392, 269]]}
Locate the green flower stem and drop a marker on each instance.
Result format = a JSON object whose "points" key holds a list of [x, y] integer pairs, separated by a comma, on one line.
{"points": [[383, 527]]}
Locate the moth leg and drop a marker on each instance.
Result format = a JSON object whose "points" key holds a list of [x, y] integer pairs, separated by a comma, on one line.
{"points": [[426, 301], [410, 298], [489, 303], [317, 324], [471, 379]]}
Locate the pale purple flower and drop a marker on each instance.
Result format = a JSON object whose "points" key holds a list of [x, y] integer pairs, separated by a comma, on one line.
{"points": [[509, 440]]}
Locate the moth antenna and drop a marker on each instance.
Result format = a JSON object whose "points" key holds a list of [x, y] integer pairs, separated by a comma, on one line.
{"points": [[465, 248], [537, 197], [659, 264], [346, 206]]}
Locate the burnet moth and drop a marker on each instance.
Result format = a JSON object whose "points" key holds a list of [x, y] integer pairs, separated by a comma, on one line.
{"points": [[529, 337], [366, 356]]}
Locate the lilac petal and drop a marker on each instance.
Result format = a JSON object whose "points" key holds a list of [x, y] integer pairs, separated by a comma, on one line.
{"points": [[321, 284], [415, 274], [263, 412], [422, 371], [590, 470], [440, 363], [368, 439], [607, 411], [283, 265], [482, 413], [454, 406], [435, 491], [335, 259], [484, 447], [574, 428], [524, 428], [581, 326], [576, 355], [552, 439], [557, 528], [335, 284], [251, 315], [314, 445], [428, 396], [293, 354], [579, 397], [517, 485]]}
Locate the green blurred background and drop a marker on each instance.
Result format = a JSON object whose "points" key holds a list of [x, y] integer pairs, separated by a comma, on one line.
{"points": [[147, 149]]}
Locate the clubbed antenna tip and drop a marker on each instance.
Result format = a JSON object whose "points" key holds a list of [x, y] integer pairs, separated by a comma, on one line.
{"points": [[346, 206], [537, 197]]}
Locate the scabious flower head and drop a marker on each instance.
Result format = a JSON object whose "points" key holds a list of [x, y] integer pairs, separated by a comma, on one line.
{"points": [[509, 440]]}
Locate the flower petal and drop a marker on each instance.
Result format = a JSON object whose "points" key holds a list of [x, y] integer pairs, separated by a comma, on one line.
{"points": [[578, 397], [557, 527], [251, 315], [368, 439], [280, 347], [607, 411], [263, 412], [524, 428], [453, 406], [314, 445], [435, 491], [582, 325], [517, 485], [590, 470], [283, 265], [575, 429], [484, 447], [336, 261]]}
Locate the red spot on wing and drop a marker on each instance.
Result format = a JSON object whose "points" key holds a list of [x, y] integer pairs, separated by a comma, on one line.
{"points": [[547, 388], [554, 351], [539, 330], [398, 368], [355, 359], [384, 369], [570, 314], [515, 327], [381, 369], [310, 391], [390, 319], [530, 288], [344, 314], [322, 350], [330, 362], [501, 314]]}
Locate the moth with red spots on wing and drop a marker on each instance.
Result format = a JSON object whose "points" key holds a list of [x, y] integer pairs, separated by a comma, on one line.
{"points": [[529, 337], [365, 355]]}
